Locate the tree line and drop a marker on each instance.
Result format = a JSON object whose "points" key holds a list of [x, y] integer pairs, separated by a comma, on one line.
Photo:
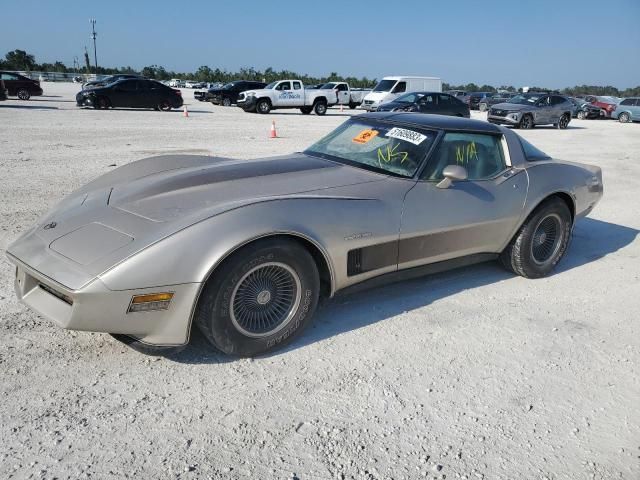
{"points": [[20, 60]]}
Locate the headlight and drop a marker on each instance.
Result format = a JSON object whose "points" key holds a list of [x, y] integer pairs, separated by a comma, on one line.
{"points": [[513, 115], [250, 94]]}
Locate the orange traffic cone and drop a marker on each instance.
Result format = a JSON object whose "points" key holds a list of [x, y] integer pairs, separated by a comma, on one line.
{"points": [[185, 112], [273, 133]]}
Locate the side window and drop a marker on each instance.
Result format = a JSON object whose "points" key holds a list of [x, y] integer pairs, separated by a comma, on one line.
{"points": [[428, 101], [481, 155], [9, 76], [400, 87], [444, 100], [628, 101], [143, 85], [342, 87], [127, 86], [557, 100], [284, 86], [297, 86]]}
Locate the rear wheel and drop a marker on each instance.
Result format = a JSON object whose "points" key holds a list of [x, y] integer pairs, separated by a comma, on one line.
{"points": [[624, 117], [564, 121], [263, 106], [23, 94], [261, 298], [526, 123], [164, 106], [306, 110], [320, 108], [541, 241]]}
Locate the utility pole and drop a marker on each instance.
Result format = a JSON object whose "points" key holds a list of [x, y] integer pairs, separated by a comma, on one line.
{"points": [[93, 37]]}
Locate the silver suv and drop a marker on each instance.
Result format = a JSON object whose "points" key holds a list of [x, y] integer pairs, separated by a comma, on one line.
{"points": [[530, 109]]}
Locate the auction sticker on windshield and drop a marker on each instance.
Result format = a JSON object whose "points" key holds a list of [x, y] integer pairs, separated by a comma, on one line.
{"points": [[406, 135], [365, 135]]}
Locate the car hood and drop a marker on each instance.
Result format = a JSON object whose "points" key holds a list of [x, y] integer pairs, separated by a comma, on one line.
{"points": [[513, 107], [222, 184], [134, 206]]}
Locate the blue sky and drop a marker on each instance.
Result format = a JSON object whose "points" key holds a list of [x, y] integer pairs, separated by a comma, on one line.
{"points": [[544, 43]]}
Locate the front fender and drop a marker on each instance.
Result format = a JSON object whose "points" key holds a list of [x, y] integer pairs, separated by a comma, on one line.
{"points": [[334, 225]]}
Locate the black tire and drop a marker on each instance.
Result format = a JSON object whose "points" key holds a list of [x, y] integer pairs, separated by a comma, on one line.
{"points": [[226, 102], [541, 241], [306, 110], [100, 103], [23, 94], [352, 105], [526, 122], [263, 106], [227, 310], [582, 115], [320, 108], [624, 117], [563, 123], [164, 106]]}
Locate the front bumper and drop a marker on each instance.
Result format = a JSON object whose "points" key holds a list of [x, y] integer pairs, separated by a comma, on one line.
{"points": [[96, 308], [512, 118], [248, 104]]}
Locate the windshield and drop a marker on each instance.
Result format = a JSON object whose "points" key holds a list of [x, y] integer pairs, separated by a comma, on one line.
{"points": [[376, 146], [525, 99], [328, 86], [384, 85], [227, 86], [271, 85]]}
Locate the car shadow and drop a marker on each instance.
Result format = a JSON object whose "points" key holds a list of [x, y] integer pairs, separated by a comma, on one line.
{"points": [[592, 240], [32, 107]]}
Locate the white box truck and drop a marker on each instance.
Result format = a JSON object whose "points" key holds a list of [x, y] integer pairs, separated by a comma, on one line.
{"points": [[390, 88]]}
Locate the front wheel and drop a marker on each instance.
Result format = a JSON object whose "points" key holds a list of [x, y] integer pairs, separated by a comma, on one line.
{"points": [[564, 121], [23, 94], [263, 106], [527, 122], [352, 105], [100, 103], [261, 298], [624, 117], [320, 108], [582, 115], [541, 242], [306, 110], [226, 102]]}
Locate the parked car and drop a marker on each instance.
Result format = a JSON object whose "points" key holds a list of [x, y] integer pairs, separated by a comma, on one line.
{"points": [[628, 110], [246, 248], [287, 94], [474, 99], [427, 102], [228, 94], [176, 83], [583, 109], [131, 93], [110, 79], [315, 86], [456, 93], [3, 91], [527, 110], [193, 84], [606, 104], [390, 88], [494, 99], [20, 86], [346, 95]]}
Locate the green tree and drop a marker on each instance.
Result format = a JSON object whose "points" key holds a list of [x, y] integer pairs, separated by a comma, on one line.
{"points": [[20, 60]]}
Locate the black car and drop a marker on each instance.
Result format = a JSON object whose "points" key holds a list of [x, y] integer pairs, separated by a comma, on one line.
{"points": [[110, 79], [3, 91], [20, 86], [228, 94], [583, 109], [427, 102], [494, 99], [131, 93], [475, 98]]}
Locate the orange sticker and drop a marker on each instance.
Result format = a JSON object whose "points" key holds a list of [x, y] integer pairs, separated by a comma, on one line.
{"points": [[365, 135]]}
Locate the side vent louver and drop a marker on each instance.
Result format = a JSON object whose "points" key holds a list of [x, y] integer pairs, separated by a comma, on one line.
{"points": [[354, 262]]}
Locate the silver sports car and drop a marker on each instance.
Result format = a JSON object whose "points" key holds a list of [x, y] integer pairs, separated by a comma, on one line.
{"points": [[245, 248]]}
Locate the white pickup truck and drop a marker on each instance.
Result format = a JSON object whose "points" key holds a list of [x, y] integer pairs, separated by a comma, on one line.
{"points": [[287, 94], [346, 95]]}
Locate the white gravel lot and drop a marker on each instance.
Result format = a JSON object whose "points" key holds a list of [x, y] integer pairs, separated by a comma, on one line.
{"points": [[470, 374]]}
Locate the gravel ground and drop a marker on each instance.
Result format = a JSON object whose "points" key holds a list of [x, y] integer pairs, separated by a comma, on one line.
{"points": [[470, 374]]}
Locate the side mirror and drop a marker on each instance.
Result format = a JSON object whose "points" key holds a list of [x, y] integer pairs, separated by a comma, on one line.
{"points": [[452, 173]]}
